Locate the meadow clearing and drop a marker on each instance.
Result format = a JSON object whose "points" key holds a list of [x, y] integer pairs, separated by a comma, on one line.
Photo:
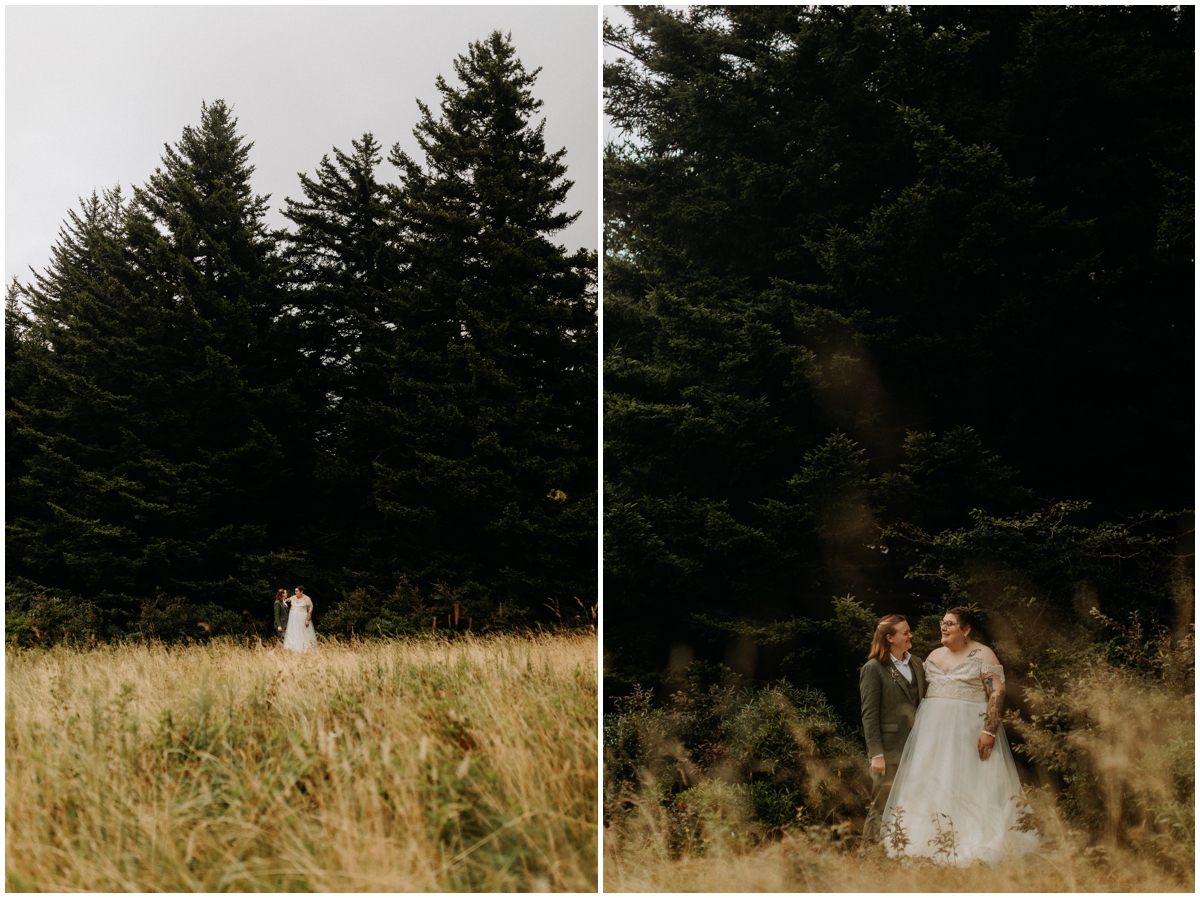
{"points": [[388, 765]]}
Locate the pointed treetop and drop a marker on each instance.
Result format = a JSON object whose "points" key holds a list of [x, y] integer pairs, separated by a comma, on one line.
{"points": [[77, 258], [485, 158], [206, 175]]}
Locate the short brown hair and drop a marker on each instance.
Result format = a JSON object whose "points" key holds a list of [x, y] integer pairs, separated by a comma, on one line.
{"points": [[887, 626], [282, 592]]}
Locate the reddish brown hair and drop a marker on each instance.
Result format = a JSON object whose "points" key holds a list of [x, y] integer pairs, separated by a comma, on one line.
{"points": [[887, 626]]}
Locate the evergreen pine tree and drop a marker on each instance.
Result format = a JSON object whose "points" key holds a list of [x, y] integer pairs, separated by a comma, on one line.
{"points": [[343, 267], [342, 261], [831, 226], [161, 390], [74, 511], [19, 379], [486, 468], [229, 430]]}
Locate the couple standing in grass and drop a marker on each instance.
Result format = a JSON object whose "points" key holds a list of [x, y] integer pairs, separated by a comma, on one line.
{"points": [[293, 620], [944, 784]]}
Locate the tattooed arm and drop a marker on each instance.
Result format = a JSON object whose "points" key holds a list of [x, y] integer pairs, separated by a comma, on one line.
{"points": [[992, 675]]}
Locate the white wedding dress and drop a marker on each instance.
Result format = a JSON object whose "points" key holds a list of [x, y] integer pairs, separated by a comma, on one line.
{"points": [[951, 806], [297, 637]]}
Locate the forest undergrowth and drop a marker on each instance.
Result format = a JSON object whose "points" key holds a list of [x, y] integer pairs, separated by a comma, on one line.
{"points": [[378, 765]]}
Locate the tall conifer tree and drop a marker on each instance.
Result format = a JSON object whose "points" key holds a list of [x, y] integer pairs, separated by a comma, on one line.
{"points": [[76, 504], [833, 225], [230, 429], [162, 384], [486, 473], [20, 377], [343, 268]]}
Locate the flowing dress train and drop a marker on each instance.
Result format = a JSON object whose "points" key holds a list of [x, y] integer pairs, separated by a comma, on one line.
{"points": [[948, 804]]}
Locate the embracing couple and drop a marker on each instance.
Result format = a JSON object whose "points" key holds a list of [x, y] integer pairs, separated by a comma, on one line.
{"points": [[293, 620], [940, 762]]}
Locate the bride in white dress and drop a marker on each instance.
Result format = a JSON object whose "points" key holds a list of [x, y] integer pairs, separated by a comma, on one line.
{"points": [[300, 635], [956, 796]]}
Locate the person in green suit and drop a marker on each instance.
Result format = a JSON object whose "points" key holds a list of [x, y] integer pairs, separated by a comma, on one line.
{"points": [[890, 686], [281, 613]]}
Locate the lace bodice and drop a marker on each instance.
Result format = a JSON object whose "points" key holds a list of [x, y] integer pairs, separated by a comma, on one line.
{"points": [[305, 603], [963, 682]]}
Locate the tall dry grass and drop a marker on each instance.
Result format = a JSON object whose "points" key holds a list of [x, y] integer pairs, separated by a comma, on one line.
{"points": [[797, 864], [637, 858], [1122, 818], [393, 766]]}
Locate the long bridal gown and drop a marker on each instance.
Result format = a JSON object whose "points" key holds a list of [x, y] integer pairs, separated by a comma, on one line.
{"points": [[297, 637], [956, 809]]}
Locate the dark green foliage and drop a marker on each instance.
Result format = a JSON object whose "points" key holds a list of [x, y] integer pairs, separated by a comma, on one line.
{"points": [[771, 756], [405, 612], [483, 460], [36, 616], [152, 340], [773, 804], [942, 478], [853, 286], [343, 261], [174, 620], [936, 168], [399, 391], [343, 267], [65, 389], [1045, 561], [882, 287]]}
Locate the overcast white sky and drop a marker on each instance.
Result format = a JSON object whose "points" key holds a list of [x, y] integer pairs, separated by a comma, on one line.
{"points": [[92, 93]]}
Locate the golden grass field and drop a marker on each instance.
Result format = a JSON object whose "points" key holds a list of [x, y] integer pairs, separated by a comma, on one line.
{"points": [[425, 765], [637, 861], [1141, 740], [793, 867]]}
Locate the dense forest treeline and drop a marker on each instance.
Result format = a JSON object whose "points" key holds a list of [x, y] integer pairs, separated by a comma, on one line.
{"points": [[892, 295], [391, 402], [898, 316]]}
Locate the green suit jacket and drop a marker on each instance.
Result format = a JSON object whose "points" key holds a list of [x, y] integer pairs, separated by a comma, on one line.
{"points": [[281, 615], [889, 705]]}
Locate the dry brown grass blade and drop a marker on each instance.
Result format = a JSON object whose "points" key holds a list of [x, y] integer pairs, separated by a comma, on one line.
{"points": [[464, 765]]}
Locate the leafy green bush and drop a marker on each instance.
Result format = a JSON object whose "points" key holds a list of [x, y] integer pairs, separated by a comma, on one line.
{"points": [[712, 814], [34, 615], [405, 612], [773, 804], [717, 753], [176, 619]]}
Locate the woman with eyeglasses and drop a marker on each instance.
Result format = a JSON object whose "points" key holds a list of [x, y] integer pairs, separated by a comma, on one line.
{"points": [[956, 795]]}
